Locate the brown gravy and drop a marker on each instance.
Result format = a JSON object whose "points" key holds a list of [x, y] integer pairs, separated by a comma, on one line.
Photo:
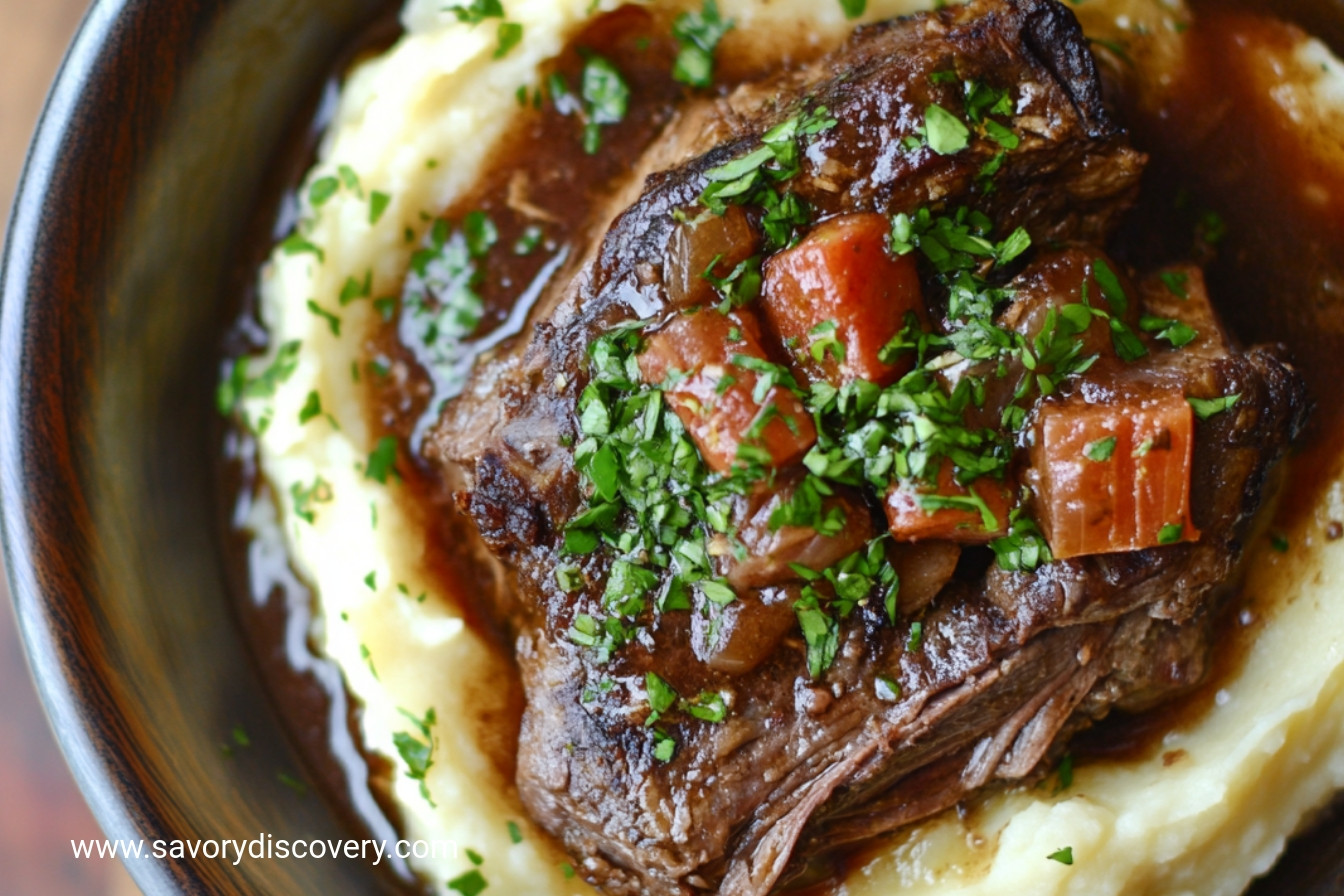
{"points": [[1276, 274]]}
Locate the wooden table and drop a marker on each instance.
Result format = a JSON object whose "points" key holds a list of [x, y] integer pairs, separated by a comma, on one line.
{"points": [[40, 809]]}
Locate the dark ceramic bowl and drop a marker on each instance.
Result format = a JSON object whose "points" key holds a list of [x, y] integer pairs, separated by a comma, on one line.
{"points": [[150, 172]]}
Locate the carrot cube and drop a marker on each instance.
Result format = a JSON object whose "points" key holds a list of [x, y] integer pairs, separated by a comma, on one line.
{"points": [[700, 360], [949, 511], [838, 297], [1114, 477]]}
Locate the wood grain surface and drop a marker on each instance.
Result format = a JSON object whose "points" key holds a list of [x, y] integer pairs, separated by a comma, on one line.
{"points": [[41, 811]]}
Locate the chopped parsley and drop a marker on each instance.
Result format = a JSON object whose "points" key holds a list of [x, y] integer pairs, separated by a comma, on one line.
{"points": [[416, 748], [1100, 450], [333, 322], [887, 689], [1279, 543], [853, 8], [1208, 407], [378, 203], [916, 639], [661, 696], [698, 34], [664, 746], [1064, 774], [1176, 283], [323, 189], [1176, 333], [477, 11], [1170, 533], [305, 496], [946, 134], [297, 244], [515, 832], [509, 35], [382, 460], [603, 99], [1062, 856], [470, 883]]}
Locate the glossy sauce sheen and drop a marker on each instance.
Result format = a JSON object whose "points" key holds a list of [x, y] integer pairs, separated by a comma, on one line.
{"points": [[1276, 276]]}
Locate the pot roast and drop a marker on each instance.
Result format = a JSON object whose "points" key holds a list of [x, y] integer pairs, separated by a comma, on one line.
{"points": [[921, 516]]}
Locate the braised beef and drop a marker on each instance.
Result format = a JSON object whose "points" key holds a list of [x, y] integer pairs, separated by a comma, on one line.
{"points": [[985, 671]]}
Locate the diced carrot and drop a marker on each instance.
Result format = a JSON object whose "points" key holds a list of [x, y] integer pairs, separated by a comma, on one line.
{"points": [[1114, 477], [838, 297], [693, 355], [949, 511]]}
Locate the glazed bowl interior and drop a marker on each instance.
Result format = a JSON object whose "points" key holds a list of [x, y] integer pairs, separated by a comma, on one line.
{"points": [[156, 149], [148, 179]]}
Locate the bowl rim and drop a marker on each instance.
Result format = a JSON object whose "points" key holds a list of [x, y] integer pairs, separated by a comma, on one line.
{"points": [[60, 135]]}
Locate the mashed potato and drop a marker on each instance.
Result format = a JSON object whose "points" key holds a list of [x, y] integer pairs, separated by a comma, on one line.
{"points": [[1212, 809]]}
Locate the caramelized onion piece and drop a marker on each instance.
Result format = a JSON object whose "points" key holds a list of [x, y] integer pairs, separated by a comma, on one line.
{"points": [[693, 248], [737, 637]]}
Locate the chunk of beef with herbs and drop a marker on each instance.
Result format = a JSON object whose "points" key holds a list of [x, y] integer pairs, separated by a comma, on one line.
{"points": [[789, 570]]}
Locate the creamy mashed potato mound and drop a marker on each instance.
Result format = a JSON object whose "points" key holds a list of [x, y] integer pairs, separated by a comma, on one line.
{"points": [[1212, 808]]}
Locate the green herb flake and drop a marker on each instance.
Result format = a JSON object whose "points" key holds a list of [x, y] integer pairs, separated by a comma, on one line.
{"points": [[416, 749], [887, 688], [605, 97], [477, 11], [355, 289], [661, 696], [475, 858], [323, 189], [1176, 283], [296, 244], [378, 203], [1064, 774], [292, 783], [1208, 407], [1175, 332], [240, 736], [528, 240], [1100, 450], [1170, 533], [698, 34], [515, 832], [470, 883], [382, 460], [305, 496], [853, 8], [664, 746], [567, 870], [946, 134], [1279, 543], [333, 322], [1062, 856], [916, 639], [312, 407], [509, 35]]}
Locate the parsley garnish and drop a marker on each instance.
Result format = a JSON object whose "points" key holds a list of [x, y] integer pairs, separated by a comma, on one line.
{"points": [[1208, 407], [382, 460], [887, 688], [853, 8], [323, 189], [378, 203], [477, 11], [470, 883], [333, 322], [1100, 450], [605, 97], [1175, 282], [699, 34], [946, 134], [1175, 332], [305, 496], [510, 34], [1062, 856], [418, 752], [1170, 533], [515, 832], [661, 696], [296, 244], [664, 746]]}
